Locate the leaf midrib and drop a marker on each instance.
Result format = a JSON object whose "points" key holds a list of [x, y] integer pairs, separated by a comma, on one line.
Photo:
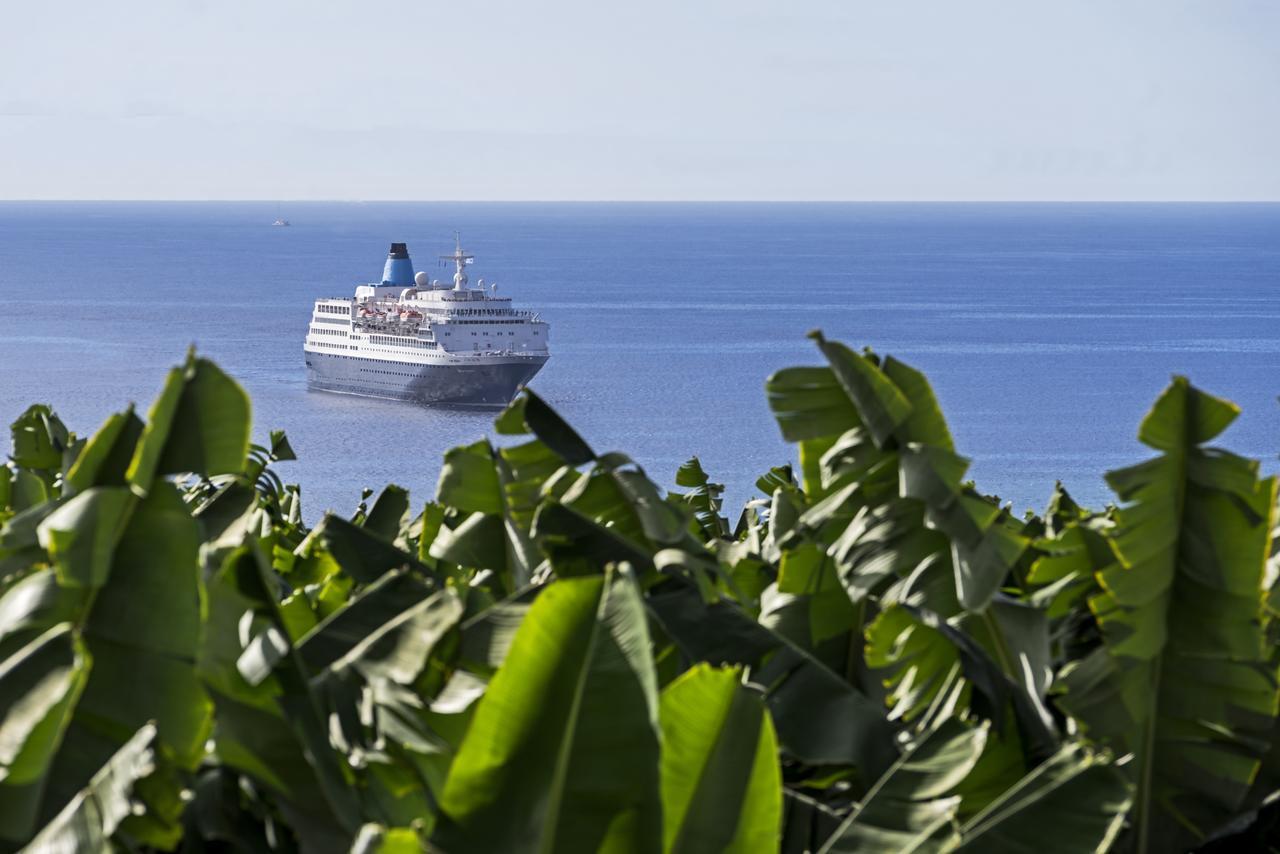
{"points": [[547, 843], [1147, 766]]}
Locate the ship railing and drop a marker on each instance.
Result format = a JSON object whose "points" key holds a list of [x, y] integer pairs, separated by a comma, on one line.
{"points": [[453, 318], [409, 328]]}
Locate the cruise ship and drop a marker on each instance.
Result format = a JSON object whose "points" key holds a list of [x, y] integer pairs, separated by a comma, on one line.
{"points": [[413, 338]]}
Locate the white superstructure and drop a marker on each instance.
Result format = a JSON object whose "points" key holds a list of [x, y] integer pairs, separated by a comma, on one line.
{"points": [[412, 338]]}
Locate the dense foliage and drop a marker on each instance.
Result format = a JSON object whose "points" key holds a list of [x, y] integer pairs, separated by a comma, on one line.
{"points": [[555, 655]]}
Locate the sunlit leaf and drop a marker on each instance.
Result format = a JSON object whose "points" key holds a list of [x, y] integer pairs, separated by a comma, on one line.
{"points": [[575, 700]]}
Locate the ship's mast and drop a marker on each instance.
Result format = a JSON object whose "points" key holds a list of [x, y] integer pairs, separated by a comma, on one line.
{"points": [[460, 260]]}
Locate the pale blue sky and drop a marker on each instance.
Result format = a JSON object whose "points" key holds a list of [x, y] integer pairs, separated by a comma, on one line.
{"points": [[391, 99]]}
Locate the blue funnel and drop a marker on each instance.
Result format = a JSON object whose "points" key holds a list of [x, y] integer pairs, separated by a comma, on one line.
{"points": [[399, 269]]}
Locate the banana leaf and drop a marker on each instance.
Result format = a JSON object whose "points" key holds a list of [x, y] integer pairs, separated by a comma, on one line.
{"points": [[1074, 802], [574, 702], [721, 785], [704, 498], [199, 424], [113, 796], [913, 807], [820, 718], [1184, 680]]}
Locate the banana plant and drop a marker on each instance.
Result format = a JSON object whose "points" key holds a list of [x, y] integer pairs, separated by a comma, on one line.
{"points": [[555, 653], [1184, 679]]}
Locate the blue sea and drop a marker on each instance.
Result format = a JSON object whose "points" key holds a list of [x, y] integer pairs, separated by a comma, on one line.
{"points": [[1046, 329]]}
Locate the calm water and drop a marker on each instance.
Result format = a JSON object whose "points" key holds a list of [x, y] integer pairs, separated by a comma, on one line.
{"points": [[1047, 330]]}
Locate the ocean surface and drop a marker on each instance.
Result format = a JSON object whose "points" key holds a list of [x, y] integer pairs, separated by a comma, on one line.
{"points": [[1046, 329]]}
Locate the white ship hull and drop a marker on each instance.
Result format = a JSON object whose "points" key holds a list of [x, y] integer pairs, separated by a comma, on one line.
{"points": [[479, 381]]}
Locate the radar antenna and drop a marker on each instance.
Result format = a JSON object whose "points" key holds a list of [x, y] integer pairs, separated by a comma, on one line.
{"points": [[460, 260]]}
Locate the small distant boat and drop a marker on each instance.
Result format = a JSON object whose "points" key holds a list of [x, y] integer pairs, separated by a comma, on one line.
{"points": [[283, 222]]}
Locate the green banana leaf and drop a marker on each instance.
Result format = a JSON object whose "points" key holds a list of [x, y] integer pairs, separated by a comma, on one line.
{"points": [[820, 718], [574, 701], [484, 676], [721, 785], [387, 516], [577, 545], [199, 423], [1074, 802], [704, 498], [252, 737], [39, 687], [105, 457], [362, 554], [529, 413], [361, 616], [398, 649], [810, 403], [39, 439], [133, 596], [1184, 680], [376, 839], [913, 807], [492, 515], [922, 667], [111, 798]]}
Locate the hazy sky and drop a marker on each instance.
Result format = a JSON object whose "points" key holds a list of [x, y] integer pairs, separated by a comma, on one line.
{"points": [[596, 99]]}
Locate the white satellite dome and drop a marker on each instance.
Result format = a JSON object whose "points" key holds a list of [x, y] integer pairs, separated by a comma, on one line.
{"points": [[422, 280]]}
